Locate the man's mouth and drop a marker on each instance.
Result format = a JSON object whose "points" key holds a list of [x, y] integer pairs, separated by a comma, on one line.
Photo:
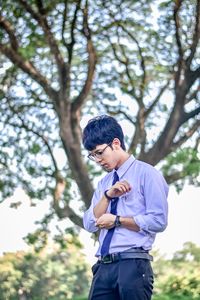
{"points": [[106, 167]]}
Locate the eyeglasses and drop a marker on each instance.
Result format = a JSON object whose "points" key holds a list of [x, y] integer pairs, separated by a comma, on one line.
{"points": [[98, 154]]}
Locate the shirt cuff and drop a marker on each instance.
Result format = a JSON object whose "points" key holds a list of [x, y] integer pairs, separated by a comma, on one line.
{"points": [[89, 221]]}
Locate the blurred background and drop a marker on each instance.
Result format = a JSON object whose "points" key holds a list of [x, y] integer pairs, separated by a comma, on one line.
{"points": [[62, 63]]}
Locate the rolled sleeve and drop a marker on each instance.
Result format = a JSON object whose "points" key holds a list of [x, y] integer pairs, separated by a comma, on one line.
{"points": [[155, 191], [151, 223], [89, 219]]}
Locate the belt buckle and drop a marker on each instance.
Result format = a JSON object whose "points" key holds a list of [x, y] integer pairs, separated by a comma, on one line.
{"points": [[107, 259]]}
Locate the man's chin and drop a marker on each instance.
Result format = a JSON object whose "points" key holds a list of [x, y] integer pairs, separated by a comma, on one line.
{"points": [[107, 168]]}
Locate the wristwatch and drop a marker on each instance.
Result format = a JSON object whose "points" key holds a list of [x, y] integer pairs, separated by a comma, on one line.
{"points": [[117, 222]]}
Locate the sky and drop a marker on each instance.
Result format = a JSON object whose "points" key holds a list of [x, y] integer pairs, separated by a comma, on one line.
{"points": [[183, 224]]}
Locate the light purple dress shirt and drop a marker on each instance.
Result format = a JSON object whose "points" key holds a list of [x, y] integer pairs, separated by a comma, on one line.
{"points": [[146, 203]]}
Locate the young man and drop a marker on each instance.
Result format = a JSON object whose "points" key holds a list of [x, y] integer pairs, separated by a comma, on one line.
{"points": [[129, 207]]}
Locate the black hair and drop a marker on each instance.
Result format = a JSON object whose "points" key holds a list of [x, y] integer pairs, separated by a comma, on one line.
{"points": [[102, 130]]}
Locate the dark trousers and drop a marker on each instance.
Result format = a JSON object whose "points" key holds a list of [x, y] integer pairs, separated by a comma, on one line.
{"points": [[128, 279]]}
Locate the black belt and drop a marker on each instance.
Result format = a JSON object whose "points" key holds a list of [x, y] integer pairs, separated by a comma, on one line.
{"points": [[133, 253]]}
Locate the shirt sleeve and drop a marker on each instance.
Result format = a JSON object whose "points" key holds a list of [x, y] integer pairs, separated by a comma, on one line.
{"points": [[89, 219], [155, 192]]}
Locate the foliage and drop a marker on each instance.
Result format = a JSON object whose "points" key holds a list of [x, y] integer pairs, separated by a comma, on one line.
{"points": [[178, 278], [52, 275], [59, 274], [187, 157]]}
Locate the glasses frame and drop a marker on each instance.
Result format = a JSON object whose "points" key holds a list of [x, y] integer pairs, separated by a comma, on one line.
{"points": [[99, 153]]}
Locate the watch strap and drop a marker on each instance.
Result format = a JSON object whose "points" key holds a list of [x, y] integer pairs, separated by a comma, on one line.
{"points": [[106, 195]]}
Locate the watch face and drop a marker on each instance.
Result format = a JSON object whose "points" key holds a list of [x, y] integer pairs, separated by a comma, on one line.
{"points": [[117, 221]]}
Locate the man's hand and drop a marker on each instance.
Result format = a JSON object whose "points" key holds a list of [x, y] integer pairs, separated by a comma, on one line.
{"points": [[106, 221], [119, 188]]}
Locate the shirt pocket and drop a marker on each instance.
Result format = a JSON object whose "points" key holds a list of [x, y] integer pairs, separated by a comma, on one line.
{"points": [[133, 202]]}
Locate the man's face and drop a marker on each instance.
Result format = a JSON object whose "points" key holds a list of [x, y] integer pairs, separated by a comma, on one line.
{"points": [[105, 156]]}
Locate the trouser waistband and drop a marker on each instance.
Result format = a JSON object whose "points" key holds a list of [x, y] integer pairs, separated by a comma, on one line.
{"points": [[130, 254]]}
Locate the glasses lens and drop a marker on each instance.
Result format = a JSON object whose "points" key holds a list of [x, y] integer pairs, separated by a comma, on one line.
{"points": [[91, 156], [98, 154]]}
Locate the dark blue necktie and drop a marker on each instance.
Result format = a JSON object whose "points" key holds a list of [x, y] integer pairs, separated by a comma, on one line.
{"points": [[109, 234]]}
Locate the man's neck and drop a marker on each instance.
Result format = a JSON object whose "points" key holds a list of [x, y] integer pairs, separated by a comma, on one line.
{"points": [[123, 157]]}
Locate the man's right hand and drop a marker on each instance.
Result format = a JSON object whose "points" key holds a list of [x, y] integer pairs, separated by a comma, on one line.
{"points": [[118, 189]]}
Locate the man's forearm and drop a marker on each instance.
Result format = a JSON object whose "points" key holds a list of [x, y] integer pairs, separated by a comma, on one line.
{"points": [[129, 223], [101, 207], [107, 221]]}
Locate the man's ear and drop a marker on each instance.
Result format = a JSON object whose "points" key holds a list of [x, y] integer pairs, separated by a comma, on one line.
{"points": [[116, 144]]}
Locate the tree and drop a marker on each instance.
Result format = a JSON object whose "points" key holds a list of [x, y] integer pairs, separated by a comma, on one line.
{"points": [[63, 59], [179, 277], [54, 275]]}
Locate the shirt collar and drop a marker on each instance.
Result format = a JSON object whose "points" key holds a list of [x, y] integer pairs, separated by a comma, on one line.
{"points": [[125, 166]]}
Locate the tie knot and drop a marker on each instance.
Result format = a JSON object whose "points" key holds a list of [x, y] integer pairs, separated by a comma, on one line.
{"points": [[115, 177]]}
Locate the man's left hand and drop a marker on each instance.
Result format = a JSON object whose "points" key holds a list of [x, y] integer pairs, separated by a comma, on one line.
{"points": [[106, 221]]}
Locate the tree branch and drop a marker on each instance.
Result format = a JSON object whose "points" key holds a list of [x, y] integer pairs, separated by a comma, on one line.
{"points": [[177, 7], [140, 132], [125, 63], [64, 22], [192, 96], [192, 76], [92, 60], [135, 139], [197, 143], [161, 147], [42, 137], [60, 181], [196, 35], [151, 107], [119, 111], [186, 136], [175, 176], [42, 21], [142, 61], [9, 29], [70, 45], [67, 212], [73, 25], [113, 46], [29, 69], [190, 115]]}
